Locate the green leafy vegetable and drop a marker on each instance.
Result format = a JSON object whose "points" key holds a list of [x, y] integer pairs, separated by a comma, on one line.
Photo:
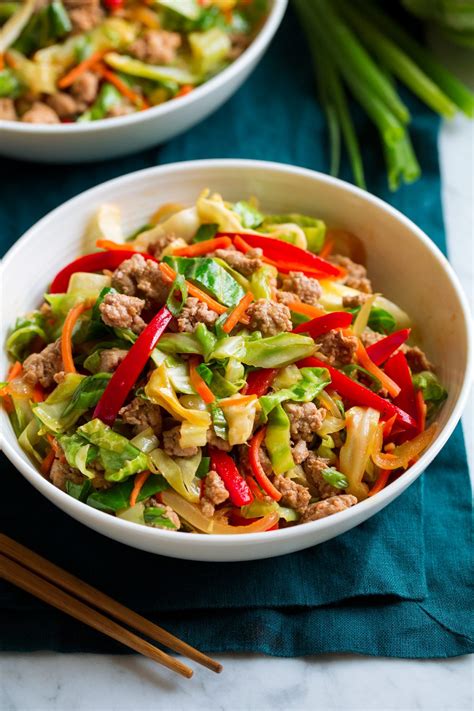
{"points": [[276, 351], [119, 458], [79, 491], [206, 339], [117, 497], [175, 305], [262, 281], [136, 68], [87, 394], [51, 411], [210, 50], [250, 216], [45, 26], [155, 515], [173, 343], [307, 388], [277, 440], [107, 97], [219, 422], [205, 232], [24, 331], [434, 394], [314, 229], [205, 272], [9, 84], [78, 452]]}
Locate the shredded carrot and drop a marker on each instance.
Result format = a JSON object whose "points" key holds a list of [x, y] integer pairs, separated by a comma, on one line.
{"points": [[254, 488], [238, 313], [66, 335], [2, 62], [366, 362], [198, 383], [112, 246], [305, 309], [244, 400], [421, 410], [184, 91], [80, 68], [47, 462], [140, 479], [241, 244], [14, 372], [38, 394], [9, 61], [381, 482], [208, 245], [170, 274], [327, 248], [125, 90], [256, 465], [388, 426]]}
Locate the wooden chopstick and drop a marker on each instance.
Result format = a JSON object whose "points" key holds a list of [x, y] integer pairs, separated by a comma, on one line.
{"points": [[39, 587], [16, 552]]}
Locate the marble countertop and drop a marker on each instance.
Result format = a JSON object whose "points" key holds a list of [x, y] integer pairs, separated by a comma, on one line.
{"points": [[85, 682]]}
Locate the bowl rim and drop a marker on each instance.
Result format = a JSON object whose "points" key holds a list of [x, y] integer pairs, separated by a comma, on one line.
{"points": [[372, 504], [260, 42]]}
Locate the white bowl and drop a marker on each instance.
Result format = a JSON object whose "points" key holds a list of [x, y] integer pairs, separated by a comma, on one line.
{"points": [[402, 262], [109, 138]]}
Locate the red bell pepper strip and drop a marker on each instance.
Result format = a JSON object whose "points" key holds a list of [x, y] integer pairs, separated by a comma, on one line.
{"points": [[323, 324], [284, 252], [382, 350], [357, 393], [234, 482], [257, 469], [259, 381], [95, 262], [126, 375], [421, 411], [397, 369]]}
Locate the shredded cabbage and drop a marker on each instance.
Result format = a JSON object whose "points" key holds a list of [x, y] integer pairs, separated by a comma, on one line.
{"points": [[106, 223], [161, 392], [361, 435], [180, 473], [240, 420]]}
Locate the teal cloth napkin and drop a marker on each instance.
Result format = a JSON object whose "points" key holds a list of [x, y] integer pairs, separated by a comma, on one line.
{"points": [[398, 585]]}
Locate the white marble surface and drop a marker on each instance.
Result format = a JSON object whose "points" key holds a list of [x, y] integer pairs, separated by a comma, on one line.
{"points": [[53, 682]]}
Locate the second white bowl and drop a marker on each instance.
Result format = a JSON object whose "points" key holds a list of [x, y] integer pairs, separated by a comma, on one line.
{"points": [[110, 138]]}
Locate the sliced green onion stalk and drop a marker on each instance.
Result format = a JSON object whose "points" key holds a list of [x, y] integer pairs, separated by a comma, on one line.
{"points": [[359, 45], [398, 62], [351, 56], [451, 85]]}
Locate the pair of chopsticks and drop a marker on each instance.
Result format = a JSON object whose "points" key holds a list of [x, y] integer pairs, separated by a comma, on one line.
{"points": [[46, 581]]}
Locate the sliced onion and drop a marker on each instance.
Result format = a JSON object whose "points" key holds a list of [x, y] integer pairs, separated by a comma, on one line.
{"points": [[362, 318], [402, 455], [13, 27], [193, 515]]}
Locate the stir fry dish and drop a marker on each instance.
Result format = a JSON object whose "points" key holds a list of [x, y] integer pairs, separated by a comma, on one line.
{"points": [[63, 61], [219, 371]]}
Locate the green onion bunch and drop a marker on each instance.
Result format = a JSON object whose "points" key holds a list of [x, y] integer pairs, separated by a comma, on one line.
{"points": [[358, 48]]}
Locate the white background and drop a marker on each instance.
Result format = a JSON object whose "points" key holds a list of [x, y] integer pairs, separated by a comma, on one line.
{"points": [[54, 682]]}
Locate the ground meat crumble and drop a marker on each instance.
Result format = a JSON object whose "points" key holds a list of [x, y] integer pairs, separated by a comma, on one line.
{"points": [[269, 317]]}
